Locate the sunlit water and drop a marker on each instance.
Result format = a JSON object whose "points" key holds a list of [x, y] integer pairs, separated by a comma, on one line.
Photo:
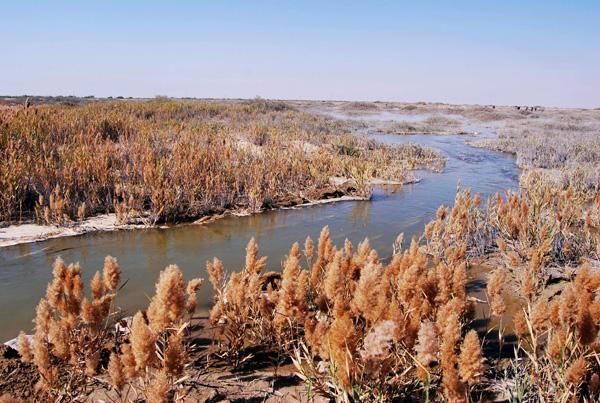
{"points": [[25, 269]]}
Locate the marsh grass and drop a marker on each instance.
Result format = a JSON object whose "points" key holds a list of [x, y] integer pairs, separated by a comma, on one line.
{"points": [[558, 147], [357, 329], [166, 160], [543, 235], [559, 339], [435, 124]]}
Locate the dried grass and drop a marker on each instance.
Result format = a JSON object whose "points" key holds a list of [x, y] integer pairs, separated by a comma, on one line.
{"points": [[165, 160], [75, 338], [350, 321], [357, 328]]}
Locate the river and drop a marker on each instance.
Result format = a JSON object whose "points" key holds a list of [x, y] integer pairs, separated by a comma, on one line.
{"points": [[25, 269]]}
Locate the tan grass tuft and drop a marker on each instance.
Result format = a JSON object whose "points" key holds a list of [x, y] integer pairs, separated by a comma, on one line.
{"points": [[215, 275], [191, 290], [111, 273], [175, 356], [427, 346], [158, 389], [127, 358], [576, 371]]}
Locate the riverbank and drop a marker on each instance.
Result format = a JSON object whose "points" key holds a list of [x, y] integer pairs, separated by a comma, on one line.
{"points": [[17, 234], [25, 233]]}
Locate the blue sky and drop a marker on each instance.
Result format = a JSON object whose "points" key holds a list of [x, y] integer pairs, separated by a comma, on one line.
{"points": [[503, 52]]}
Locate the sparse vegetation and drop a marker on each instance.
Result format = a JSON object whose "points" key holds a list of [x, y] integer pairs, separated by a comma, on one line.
{"points": [[435, 124]]}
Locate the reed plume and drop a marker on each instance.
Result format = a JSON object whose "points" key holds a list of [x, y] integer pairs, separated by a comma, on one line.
{"points": [[309, 250], [142, 342], [427, 347], [175, 355], [366, 295], [495, 287], [24, 347], [158, 389], [130, 367], [454, 389], [324, 250], [111, 273], [576, 371], [215, 275], [288, 300], [115, 371], [470, 362], [191, 291]]}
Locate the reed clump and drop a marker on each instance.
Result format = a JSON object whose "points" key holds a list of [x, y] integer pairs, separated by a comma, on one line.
{"points": [[71, 331], [543, 234], [558, 340], [242, 313], [466, 224], [154, 357], [357, 328], [559, 223], [558, 226], [77, 340], [558, 147]]}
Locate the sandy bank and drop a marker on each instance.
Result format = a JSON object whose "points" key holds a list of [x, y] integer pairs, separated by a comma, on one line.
{"points": [[24, 233], [29, 232]]}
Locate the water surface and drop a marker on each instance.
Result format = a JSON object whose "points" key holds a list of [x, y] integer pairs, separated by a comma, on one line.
{"points": [[25, 269]]}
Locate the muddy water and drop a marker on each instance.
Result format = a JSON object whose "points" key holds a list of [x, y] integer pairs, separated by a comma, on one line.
{"points": [[26, 269]]}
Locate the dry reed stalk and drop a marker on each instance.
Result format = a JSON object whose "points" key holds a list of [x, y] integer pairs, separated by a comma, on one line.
{"points": [[560, 341]]}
